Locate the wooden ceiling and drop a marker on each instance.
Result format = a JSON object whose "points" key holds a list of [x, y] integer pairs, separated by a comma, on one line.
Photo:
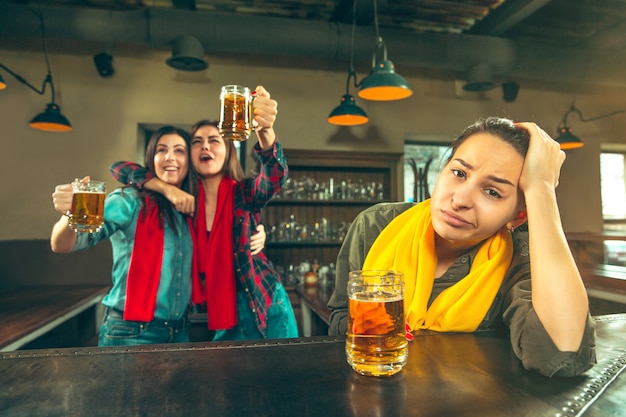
{"points": [[568, 23], [550, 40]]}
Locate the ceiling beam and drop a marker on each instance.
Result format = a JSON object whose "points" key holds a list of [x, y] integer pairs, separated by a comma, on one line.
{"points": [[506, 16], [364, 11], [293, 38], [184, 4]]}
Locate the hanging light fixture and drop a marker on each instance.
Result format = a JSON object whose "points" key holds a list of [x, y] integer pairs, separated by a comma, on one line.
{"points": [[2, 83], [187, 54], [383, 83], [51, 119], [479, 78], [348, 113], [566, 139]]}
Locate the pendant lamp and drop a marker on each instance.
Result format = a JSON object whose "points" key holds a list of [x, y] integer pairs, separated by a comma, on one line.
{"points": [[187, 54], [348, 113], [383, 83], [566, 139], [479, 78], [51, 120]]}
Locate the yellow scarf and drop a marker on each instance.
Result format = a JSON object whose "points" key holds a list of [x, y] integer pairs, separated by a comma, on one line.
{"points": [[407, 244]]}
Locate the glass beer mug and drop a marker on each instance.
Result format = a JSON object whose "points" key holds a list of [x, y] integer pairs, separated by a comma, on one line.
{"points": [[236, 113], [87, 211], [376, 343]]}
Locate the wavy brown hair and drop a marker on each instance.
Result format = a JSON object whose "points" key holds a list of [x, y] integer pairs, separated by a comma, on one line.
{"points": [[165, 207]]}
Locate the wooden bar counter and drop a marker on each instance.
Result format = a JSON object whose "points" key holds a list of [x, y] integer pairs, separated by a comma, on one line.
{"points": [[314, 306], [447, 375], [29, 312]]}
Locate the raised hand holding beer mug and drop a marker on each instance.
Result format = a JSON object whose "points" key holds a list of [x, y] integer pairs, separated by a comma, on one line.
{"points": [[376, 344], [86, 213]]}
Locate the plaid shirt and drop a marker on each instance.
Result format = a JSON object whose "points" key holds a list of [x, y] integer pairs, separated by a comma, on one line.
{"points": [[254, 275]]}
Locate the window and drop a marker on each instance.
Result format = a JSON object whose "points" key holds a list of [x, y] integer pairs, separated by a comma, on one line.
{"points": [[422, 163], [613, 190]]}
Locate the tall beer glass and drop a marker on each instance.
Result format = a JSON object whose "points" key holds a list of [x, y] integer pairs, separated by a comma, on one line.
{"points": [[235, 112], [87, 212], [376, 344]]}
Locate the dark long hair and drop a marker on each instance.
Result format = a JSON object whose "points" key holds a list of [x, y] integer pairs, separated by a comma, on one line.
{"points": [[500, 127], [166, 209]]}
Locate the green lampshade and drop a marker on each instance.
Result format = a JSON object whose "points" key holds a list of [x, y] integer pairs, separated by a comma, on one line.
{"points": [[384, 84], [347, 113], [567, 140], [51, 120]]}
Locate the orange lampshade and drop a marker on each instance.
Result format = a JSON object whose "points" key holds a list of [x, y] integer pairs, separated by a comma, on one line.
{"points": [[51, 120]]}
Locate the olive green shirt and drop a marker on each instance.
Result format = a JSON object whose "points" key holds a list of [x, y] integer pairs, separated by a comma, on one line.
{"points": [[511, 309]]}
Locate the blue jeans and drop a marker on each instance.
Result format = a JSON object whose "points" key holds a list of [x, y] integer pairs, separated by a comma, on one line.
{"points": [[115, 331], [281, 321]]}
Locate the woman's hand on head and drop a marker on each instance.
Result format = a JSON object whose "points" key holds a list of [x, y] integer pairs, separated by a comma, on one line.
{"points": [[544, 159]]}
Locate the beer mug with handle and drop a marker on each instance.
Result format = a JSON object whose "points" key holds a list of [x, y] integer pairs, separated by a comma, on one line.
{"points": [[87, 211], [236, 112], [376, 343]]}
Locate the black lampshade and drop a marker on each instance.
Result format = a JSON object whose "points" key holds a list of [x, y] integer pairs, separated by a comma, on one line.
{"points": [[347, 113], [479, 78], [567, 140], [384, 84], [51, 120], [187, 54], [2, 83]]}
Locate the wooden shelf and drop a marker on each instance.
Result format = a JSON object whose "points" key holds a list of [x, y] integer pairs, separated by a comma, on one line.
{"points": [[365, 203], [318, 168], [304, 244]]}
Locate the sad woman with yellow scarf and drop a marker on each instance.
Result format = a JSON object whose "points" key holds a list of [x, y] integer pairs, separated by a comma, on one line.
{"points": [[468, 265]]}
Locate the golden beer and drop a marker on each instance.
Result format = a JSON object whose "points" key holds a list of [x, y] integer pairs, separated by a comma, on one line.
{"points": [[376, 342], [235, 113], [87, 211]]}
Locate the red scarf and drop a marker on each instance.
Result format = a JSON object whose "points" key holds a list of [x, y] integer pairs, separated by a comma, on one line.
{"points": [[214, 255], [144, 271]]}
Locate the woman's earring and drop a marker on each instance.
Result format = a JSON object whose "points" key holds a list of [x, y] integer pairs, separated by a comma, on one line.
{"points": [[511, 230]]}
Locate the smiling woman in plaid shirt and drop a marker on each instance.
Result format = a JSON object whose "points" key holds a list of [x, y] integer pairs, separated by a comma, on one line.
{"points": [[244, 297]]}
